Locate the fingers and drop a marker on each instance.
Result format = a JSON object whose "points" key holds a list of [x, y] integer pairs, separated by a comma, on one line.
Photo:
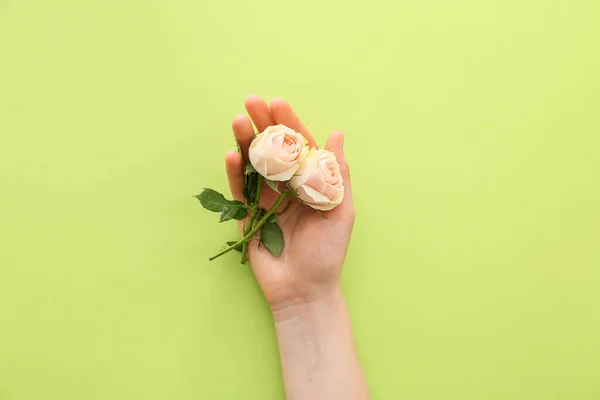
{"points": [[283, 113], [235, 174], [243, 132], [259, 112], [335, 144], [280, 112]]}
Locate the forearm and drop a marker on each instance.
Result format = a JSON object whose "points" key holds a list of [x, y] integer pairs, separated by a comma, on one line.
{"points": [[317, 351]]}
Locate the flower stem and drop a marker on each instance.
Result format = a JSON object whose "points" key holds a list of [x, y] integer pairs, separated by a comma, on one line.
{"points": [[256, 227], [244, 232], [253, 213], [259, 184]]}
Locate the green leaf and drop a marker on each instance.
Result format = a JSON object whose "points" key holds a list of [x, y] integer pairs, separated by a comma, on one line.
{"points": [[215, 201], [272, 238], [241, 214], [272, 219], [238, 248], [272, 184], [234, 212]]}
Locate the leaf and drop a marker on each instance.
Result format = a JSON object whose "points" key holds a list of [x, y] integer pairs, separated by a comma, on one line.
{"points": [[272, 219], [241, 214], [250, 186], [272, 238], [273, 185], [238, 248], [234, 212], [215, 201]]}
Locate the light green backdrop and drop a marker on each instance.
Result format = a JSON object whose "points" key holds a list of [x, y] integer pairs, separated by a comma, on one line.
{"points": [[472, 128]]}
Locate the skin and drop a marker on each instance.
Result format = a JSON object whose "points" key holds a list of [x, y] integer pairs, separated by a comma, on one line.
{"points": [[302, 286]]}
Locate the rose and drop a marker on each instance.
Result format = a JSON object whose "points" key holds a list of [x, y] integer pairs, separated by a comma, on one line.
{"points": [[318, 181], [276, 152]]}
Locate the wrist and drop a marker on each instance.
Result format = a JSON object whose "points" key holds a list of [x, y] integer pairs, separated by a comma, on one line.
{"points": [[318, 304], [316, 346]]}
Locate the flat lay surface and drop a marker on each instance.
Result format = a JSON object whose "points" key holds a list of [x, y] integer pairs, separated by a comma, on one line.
{"points": [[472, 132]]}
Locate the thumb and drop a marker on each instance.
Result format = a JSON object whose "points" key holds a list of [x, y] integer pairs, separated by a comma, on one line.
{"points": [[335, 144]]}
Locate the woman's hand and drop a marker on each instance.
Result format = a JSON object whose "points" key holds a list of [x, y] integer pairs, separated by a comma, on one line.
{"points": [[309, 266], [302, 286]]}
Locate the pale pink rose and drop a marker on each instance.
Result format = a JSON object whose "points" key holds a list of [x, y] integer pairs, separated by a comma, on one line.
{"points": [[276, 152], [318, 181]]}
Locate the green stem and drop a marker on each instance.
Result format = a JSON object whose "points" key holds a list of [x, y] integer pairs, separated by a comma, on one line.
{"points": [[244, 252], [259, 183], [256, 227], [245, 244]]}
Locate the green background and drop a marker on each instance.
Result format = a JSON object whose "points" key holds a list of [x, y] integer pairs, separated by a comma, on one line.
{"points": [[472, 128]]}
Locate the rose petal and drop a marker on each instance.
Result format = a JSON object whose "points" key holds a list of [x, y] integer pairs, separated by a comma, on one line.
{"points": [[331, 192], [276, 152], [275, 166], [332, 175], [324, 207], [257, 155], [284, 155], [305, 170], [334, 203], [317, 198], [284, 175], [316, 180], [298, 179], [277, 141]]}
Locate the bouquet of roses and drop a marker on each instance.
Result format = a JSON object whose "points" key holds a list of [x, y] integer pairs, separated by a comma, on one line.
{"points": [[280, 160]]}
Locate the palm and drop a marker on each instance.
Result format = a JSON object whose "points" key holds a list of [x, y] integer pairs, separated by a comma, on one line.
{"points": [[315, 244], [313, 254]]}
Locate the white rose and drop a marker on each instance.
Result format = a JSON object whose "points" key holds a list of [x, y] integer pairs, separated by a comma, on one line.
{"points": [[318, 181], [276, 152]]}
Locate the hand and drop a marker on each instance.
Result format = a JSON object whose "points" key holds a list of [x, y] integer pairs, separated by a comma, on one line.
{"points": [[309, 266], [302, 285]]}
